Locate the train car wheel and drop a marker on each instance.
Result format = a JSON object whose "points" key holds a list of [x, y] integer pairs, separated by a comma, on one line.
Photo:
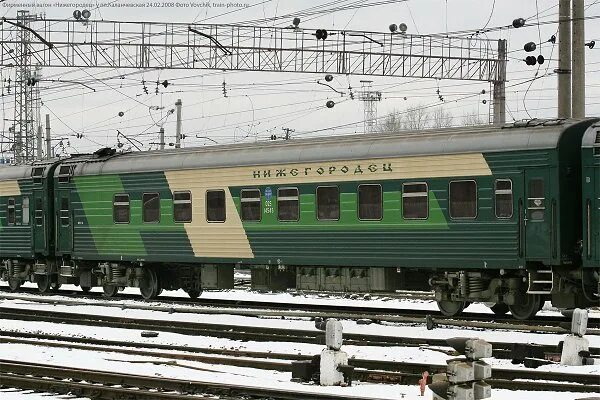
{"points": [[149, 286], [14, 284], [528, 308], [193, 293], [110, 290], [43, 283], [451, 308], [499, 309]]}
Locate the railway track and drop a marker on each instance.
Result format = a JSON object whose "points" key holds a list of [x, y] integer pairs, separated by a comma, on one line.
{"points": [[239, 332], [546, 324], [103, 385], [374, 371]]}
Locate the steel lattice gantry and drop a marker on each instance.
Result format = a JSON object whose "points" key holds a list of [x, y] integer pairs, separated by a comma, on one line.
{"points": [[152, 45], [68, 43]]}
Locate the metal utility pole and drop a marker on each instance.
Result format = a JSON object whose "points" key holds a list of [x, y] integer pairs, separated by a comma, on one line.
{"points": [[37, 112], [178, 127], [287, 132], [369, 97], [564, 59], [578, 84], [48, 138], [500, 86], [162, 138], [23, 131]]}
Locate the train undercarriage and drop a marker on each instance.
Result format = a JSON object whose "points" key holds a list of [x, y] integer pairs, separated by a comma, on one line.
{"points": [[522, 292]]}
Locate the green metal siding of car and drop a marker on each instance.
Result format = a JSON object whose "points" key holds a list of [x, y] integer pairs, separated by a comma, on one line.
{"points": [[393, 241], [16, 240], [591, 191], [96, 236]]}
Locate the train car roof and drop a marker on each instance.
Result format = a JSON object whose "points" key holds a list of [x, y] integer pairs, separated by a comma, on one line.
{"points": [[23, 171], [14, 172], [526, 135]]}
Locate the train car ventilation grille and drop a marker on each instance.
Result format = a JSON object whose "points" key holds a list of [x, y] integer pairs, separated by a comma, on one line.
{"points": [[597, 144], [64, 173], [37, 174]]}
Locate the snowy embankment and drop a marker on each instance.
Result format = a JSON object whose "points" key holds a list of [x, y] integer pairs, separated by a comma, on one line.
{"points": [[156, 366]]}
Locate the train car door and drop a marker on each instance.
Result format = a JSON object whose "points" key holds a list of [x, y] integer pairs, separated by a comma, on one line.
{"points": [[40, 234], [537, 219], [64, 228]]}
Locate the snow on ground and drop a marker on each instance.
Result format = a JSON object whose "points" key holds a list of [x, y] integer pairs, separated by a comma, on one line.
{"points": [[16, 394], [413, 330], [216, 373]]}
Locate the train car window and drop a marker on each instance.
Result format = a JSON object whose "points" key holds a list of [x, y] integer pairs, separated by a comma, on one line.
{"points": [[182, 206], [121, 211], [151, 207], [215, 205], [504, 198], [536, 202], [39, 212], [25, 210], [415, 201], [251, 204], [463, 199], [64, 211], [328, 203], [288, 204], [370, 202], [11, 212]]}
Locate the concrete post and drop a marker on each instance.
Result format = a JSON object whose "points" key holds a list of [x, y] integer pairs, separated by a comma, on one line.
{"points": [[564, 59], [578, 84], [500, 86], [162, 138], [38, 147]]}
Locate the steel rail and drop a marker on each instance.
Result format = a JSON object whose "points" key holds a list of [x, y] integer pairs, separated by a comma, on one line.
{"points": [[239, 332], [368, 370], [103, 385], [403, 373], [549, 324]]}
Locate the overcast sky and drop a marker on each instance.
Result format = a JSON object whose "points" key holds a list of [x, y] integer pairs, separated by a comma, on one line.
{"points": [[294, 101]]}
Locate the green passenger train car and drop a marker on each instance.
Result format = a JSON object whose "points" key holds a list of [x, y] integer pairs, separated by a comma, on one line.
{"points": [[590, 157], [490, 214]]}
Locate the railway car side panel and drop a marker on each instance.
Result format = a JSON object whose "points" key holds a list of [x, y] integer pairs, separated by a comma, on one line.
{"points": [[15, 219], [126, 217], [591, 208]]}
